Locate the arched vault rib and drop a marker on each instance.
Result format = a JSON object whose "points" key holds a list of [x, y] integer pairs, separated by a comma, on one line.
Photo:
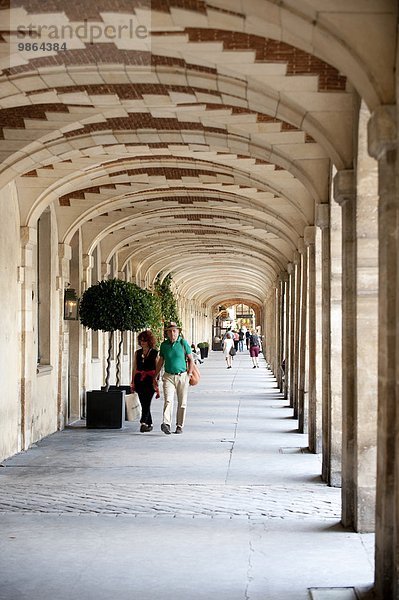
{"points": [[197, 235], [229, 265], [206, 218], [318, 29], [46, 196], [69, 188], [201, 290], [208, 295], [313, 174], [161, 261], [204, 199], [164, 257], [191, 283], [259, 96]]}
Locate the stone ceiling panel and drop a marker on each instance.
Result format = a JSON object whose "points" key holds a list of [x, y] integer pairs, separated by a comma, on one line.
{"points": [[217, 130]]}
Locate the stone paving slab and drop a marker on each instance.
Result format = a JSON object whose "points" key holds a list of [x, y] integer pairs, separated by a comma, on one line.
{"points": [[194, 499], [233, 509]]}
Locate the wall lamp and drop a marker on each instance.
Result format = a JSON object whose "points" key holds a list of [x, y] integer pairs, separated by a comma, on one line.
{"points": [[71, 305]]}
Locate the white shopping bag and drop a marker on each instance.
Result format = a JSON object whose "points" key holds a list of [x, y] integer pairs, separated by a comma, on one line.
{"points": [[133, 406]]}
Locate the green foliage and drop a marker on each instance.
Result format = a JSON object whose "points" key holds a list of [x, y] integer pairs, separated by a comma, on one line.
{"points": [[113, 304], [168, 301], [203, 345], [156, 322]]}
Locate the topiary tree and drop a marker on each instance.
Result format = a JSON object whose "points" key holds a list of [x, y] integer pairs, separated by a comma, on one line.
{"points": [[115, 305], [163, 290], [156, 322]]}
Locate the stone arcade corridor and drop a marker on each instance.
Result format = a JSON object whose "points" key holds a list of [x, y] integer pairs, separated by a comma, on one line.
{"points": [[234, 509], [245, 153]]}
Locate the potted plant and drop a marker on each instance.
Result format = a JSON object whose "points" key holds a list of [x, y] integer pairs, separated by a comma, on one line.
{"points": [[204, 348], [112, 305]]}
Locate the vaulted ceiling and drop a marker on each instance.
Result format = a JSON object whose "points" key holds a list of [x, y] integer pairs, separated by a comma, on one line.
{"points": [[200, 148]]}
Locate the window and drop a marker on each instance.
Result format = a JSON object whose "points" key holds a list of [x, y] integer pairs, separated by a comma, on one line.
{"points": [[43, 279]]}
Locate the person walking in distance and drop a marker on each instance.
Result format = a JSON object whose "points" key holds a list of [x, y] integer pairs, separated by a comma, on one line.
{"points": [[173, 354], [254, 348], [247, 336], [143, 382], [241, 335], [228, 344]]}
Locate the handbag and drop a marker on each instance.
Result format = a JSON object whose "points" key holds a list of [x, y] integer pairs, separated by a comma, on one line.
{"points": [[195, 376], [232, 351], [133, 406]]}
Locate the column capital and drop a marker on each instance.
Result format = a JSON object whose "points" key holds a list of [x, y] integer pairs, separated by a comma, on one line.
{"points": [[296, 259], [290, 268], [28, 236], [65, 251], [382, 131], [105, 270], [322, 219], [87, 261], [283, 277], [344, 186], [301, 245], [309, 235]]}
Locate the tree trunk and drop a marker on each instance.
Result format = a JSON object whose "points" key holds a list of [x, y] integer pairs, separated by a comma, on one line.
{"points": [[108, 372], [118, 361]]}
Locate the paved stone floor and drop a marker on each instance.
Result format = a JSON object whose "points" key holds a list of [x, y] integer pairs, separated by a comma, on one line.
{"points": [[233, 509]]}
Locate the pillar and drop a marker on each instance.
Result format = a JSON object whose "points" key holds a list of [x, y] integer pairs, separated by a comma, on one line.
{"points": [[64, 257], [291, 364], [28, 362], [323, 222], [313, 403], [382, 138], [335, 472], [345, 196], [297, 303], [367, 332], [302, 408], [277, 325], [287, 332], [281, 355]]}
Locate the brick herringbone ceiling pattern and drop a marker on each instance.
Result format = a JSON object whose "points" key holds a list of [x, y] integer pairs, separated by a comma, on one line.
{"points": [[233, 130]]}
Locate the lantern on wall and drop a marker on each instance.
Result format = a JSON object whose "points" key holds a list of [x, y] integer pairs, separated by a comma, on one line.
{"points": [[71, 305]]}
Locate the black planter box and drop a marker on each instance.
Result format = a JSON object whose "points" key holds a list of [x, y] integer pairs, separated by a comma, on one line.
{"points": [[204, 352], [115, 388], [105, 410]]}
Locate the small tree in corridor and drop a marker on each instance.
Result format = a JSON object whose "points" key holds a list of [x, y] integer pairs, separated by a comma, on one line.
{"points": [[115, 305]]}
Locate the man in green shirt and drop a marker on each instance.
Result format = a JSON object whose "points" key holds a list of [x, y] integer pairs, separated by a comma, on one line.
{"points": [[173, 354]]}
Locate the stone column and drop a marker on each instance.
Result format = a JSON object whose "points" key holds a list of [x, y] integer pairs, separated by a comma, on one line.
{"points": [[64, 257], [345, 195], [277, 321], [313, 402], [302, 409], [287, 334], [79, 355], [335, 475], [367, 332], [282, 285], [28, 362], [359, 337], [323, 222], [382, 137], [291, 312], [297, 263]]}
